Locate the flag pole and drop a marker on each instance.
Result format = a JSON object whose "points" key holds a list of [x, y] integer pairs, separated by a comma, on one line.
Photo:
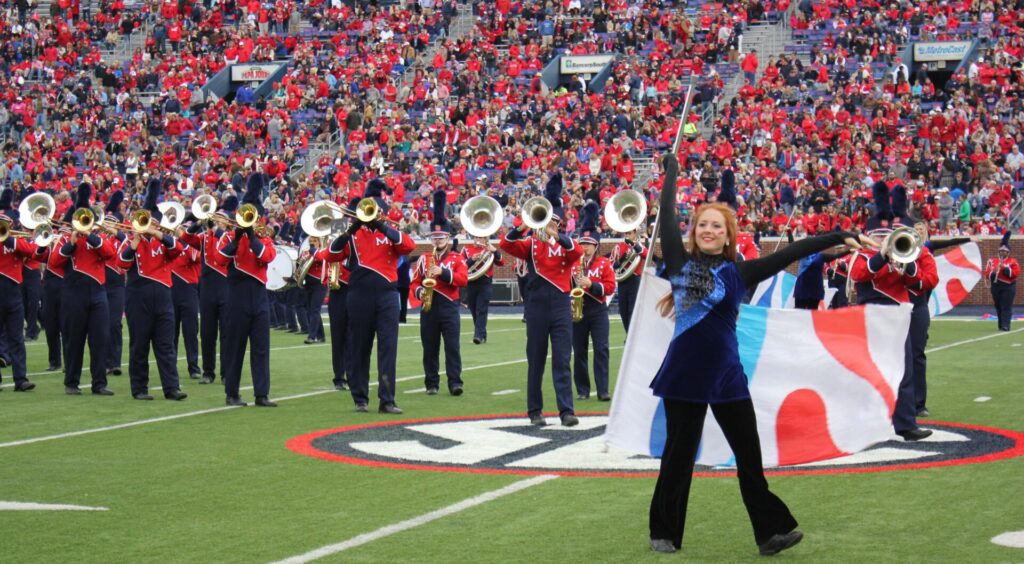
{"points": [[675, 150]]}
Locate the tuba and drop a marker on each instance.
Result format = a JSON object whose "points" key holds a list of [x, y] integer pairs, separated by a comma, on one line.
{"points": [[204, 206], [37, 209], [481, 216], [577, 293], [624, 213], [537, 213], [902, 247], [173, 215]]}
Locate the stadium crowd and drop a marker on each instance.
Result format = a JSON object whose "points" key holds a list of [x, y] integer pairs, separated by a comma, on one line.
{"points": [[384, 89]]}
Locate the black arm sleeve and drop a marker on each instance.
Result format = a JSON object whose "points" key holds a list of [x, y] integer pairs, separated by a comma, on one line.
{"points": [[934, 245], [672, 250], [829, 257], [756, 270]]}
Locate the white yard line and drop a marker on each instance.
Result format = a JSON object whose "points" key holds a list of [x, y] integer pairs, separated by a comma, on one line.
{"points": [[974, 340], [414, 522], [225, 408]]}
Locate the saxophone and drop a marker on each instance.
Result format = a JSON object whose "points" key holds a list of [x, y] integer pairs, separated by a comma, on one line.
{"points": [[428, 283], [334, 275], [577, 294]]}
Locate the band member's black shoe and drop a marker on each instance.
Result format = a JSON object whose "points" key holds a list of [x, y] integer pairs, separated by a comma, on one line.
{"points": [[24, 387], [116, 371], [195, 375], [342, 387], [207, 380], [456, 390], [72, 390], [176, 395], [569, 420], [142, 397], [538, 419], [102, 392], [389, 408], [915, 434], [582, 396], [604, 397], [311, 341], [778, 543], [476, 341], [264, 401], [431, 391], [235, 401], [53, 368], [923, 412], [4, 362], [362, 408]]}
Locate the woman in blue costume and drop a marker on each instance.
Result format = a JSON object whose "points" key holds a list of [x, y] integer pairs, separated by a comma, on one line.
{"points": [[702, 366]]}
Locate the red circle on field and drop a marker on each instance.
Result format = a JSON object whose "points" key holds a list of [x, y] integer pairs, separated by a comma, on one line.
{"points": [[303, 444]]}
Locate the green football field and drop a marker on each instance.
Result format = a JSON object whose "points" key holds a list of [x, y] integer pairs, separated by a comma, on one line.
{"points": [[195, 481]]}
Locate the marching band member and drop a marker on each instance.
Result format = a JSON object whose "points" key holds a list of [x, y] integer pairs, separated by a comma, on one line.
{"points": [[313, 293], [630, 246], [550, 256], [337, 313], [404, 281], [31, 295], [213, 286], [880, 281], [13, 253], [147, 257], [53, 283], [1002, 271], [373, 251], [246, 254], [837, 272], [84, 310], [596, 277], [809, 289], [479, 291], [921, 319], [441, 317], [115, 288], [185, 273], [522, 273]]}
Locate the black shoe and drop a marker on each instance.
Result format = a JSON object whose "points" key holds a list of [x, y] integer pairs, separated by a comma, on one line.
{"points": [[523, 319], [389, 408], [24, 386], [362, 408], [915, 434], [102, 392], [263, 401], [116, 371], [235, 401], [176, 395], [431, 391], [72, 391], [342, 387], [476, 341], [53, 368], [195, 375], [456, 390], [582, 396], [604, 397], [207, 380], [29, 338], [778, 543], [538, 419], [569, 420], [923, 412], [664, 546], [4, 362], [311, 341], [142, 396], [483, 340]]}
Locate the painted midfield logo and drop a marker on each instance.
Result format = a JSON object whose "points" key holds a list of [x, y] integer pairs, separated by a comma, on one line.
{"points": [[508, 444]]}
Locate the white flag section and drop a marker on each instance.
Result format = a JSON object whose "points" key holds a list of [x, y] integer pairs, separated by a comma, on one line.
{"points": [[776, 292], [823, 382], [959, 272]]}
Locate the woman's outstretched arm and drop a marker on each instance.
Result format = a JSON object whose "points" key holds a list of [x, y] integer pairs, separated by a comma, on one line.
{"points": [[756, 270], [672, 250]]}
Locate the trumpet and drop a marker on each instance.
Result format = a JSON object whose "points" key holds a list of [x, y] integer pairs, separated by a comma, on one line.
{"points": [[902, 247], [577, 293]]}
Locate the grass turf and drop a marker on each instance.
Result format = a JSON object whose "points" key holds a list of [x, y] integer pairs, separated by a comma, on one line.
{"points": [[221, 486]]}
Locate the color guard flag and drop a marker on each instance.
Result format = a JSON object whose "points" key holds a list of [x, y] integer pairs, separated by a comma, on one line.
{"points": [[823, 383], [959, 272], [776, 291]]}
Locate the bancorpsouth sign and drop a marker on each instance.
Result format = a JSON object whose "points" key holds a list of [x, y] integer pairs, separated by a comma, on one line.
{"points": [[941, 50], [252, 73], [584, 64]]}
